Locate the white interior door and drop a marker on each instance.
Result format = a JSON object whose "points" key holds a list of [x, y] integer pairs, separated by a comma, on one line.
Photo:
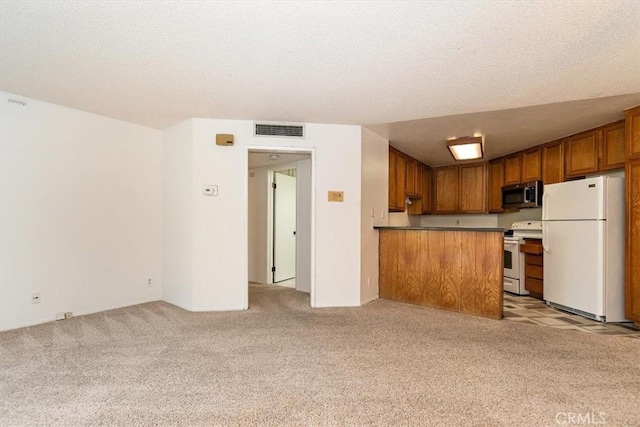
{"points": [[284, 227]]}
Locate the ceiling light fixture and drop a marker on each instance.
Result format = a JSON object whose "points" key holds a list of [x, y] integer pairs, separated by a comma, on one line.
{"points": [[467, 148], [274, 157]]}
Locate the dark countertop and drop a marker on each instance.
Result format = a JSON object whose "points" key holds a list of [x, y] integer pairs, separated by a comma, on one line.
{"points": [[391, 227]]}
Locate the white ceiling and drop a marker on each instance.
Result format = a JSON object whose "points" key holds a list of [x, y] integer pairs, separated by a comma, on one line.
{"points": [[366, 63]]}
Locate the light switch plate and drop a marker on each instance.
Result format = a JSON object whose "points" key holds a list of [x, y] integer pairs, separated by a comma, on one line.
{"points": [[335, 196], [210, 190]]}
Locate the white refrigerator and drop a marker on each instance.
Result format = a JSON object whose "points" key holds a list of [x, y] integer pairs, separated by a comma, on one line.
{"points": [[583, 244]]}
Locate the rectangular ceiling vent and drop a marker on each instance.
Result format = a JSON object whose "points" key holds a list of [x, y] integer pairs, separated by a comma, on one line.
{"points": [[271, 129], [16, 101]]}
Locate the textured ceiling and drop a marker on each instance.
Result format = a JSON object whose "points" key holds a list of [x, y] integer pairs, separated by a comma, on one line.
{"points": [[366, 63]]}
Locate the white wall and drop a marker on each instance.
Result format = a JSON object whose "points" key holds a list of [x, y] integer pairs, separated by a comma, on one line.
{"points": [[219, 224], [258, 225], [80, 212], [303, 225], [177, 231], [375, 181]]}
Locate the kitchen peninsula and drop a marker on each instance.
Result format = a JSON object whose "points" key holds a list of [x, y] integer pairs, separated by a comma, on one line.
{"points": [[455, 269]]}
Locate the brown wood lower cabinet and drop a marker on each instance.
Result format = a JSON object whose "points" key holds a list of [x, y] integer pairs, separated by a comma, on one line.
{"points": [[448, 269], [533, 267]]}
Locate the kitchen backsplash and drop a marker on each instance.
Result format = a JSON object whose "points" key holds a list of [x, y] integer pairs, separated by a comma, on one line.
{"points": [[401, 219], [506, 219], [483, 221], [489, 220]]}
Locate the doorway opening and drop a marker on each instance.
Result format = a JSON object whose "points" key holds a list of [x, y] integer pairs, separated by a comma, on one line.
{"points": [[280, 217]]}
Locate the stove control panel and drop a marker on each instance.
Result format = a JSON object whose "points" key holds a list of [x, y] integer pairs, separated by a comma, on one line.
{"points": [[527, 225], [528, 229]]}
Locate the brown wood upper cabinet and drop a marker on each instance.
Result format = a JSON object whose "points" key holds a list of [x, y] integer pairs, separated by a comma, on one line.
{"points": [[446, 183], [473, 188], [426, 190], [532, 165], [413, 178], [410, 175], [581, 153], [553, 162], [612, 146], [460, 189], [422, 206], [407, 179], [633, 133], [512, 169], [397, 166], [496, 181]]}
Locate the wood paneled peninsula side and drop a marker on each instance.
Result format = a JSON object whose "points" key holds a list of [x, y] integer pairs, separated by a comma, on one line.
{"points": [[455, 269]]}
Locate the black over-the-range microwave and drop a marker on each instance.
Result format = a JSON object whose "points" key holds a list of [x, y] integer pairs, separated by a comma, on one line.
{"points": [[525, 195]]}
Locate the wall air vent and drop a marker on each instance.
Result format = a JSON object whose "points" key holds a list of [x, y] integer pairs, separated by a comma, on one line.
{"points": [[272, 129], [16, 101]]}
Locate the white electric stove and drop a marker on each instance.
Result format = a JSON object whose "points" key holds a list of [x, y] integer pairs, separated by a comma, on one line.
{"points": [[513, 258]]}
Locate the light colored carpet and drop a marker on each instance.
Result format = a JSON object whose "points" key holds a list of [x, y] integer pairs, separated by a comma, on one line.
{"points": [[283, 363]]}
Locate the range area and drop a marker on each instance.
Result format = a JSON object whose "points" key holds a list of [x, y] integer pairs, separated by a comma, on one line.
{"points": [[523, 236]]}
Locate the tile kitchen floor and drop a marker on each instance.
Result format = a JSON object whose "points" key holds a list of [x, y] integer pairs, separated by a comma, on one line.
{"points": [[532, 311]]}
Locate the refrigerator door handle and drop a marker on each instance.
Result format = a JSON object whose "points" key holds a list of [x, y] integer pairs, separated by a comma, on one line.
{"points": [[544, 206], [545, 237]]}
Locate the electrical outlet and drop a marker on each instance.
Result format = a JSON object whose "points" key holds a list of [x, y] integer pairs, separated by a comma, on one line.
{"points": [[149, 282], [373, 213], [210, 190], [64, 316], [35, 298]]}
